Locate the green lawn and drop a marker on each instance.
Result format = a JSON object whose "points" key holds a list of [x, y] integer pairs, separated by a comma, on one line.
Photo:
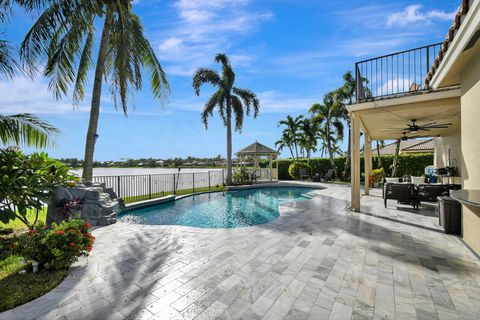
{"points": [[18, 225], [17, 289]]}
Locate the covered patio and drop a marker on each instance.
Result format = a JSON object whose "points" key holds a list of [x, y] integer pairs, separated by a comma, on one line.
{"points": [[388, 119]]}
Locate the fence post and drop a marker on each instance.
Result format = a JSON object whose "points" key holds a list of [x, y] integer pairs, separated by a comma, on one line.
{"points": [[209, 180], [149, 186], [223, 176], [193, 182], [118, 186], [174, 185]]}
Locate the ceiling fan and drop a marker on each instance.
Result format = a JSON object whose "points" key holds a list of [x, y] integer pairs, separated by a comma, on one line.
{"points": [[414, 127], [406, 138]]}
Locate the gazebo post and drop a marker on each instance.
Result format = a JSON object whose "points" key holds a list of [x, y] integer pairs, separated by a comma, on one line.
{"points": [[271, 170]]}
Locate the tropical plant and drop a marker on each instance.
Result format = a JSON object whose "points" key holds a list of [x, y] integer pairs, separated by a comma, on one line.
{"points": [[344, 96], [57, 247], [292, 130], [227, 99], [329, 121], [27, 182], [308, 136], [378, 174], [8, 64], [64, 34], [26, 129], [285, 142]]}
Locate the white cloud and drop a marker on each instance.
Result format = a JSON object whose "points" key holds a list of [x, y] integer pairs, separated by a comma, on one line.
{"points": [[413, 14], [205, 28], [32, 96]]}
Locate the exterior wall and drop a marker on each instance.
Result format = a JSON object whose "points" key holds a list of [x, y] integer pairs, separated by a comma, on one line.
{"points": [[470, 115], [451, 142]]}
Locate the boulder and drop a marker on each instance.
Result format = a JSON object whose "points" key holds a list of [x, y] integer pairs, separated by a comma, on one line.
{"points": [[94, 202]]}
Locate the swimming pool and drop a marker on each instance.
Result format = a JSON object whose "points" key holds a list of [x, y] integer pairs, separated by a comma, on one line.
{"points": [[230, 209]]}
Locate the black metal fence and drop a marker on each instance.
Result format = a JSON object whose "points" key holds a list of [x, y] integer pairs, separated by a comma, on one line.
{"points": [[142, 187], [396, 73]]}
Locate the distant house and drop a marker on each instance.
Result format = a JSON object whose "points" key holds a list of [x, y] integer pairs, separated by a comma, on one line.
{"points": [[409, 146]]}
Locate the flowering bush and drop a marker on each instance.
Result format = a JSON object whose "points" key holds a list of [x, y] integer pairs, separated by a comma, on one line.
{"points": [[59, 246]]}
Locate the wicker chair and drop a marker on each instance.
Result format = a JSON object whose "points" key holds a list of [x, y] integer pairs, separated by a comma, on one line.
{"points": [[402, 192], [430, 192]]}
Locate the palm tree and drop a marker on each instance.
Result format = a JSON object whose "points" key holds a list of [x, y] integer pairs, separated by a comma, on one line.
{"points": [[328, 118], [226, 99], [380, 144], [292, 127], [65, 34], [395, 158], [26, 129], [8, 64], [285, 142], [344, 96], [308, 136]]}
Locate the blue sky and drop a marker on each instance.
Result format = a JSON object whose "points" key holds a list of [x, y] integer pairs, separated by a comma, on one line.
{"points": [[290, 52]]}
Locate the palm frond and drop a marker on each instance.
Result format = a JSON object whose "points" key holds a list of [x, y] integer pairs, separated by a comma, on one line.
{"points": [[249, 99], [203, 76], [237, 108], [228, 76], [83, 67], [26, 129], [209, 107]]}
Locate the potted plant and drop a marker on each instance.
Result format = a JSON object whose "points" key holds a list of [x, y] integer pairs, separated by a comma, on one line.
{"points": [[378, 175]]}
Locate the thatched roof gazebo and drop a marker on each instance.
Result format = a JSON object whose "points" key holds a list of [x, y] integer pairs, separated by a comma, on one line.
{"points": [[257, 151]]}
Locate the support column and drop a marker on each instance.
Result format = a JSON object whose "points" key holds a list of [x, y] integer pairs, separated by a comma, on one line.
{"points": [[355, 166], [368, 162]]}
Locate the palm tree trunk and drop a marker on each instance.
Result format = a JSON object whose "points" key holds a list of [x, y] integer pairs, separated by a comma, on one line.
{"points": [[380, 165], [395, 159], [347, 161], [330, 149], [87, 174], [229, 144]]}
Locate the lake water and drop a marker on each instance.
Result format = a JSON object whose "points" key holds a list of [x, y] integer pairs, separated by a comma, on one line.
{"points": [[142, 171]]}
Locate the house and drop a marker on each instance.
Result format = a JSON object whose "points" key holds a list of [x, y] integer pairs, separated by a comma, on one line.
{"points": [[408, 146], [432, 90]]}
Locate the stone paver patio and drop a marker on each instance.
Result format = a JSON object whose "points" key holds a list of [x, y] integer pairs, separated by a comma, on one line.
{"points": [[318, 260]]}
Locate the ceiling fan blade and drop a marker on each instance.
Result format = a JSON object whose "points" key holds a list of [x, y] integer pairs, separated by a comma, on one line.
{"points": [[423, 129], [394, 130], [436, 126]]}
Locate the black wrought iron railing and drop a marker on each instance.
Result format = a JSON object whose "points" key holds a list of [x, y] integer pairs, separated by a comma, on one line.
{"points": [[134, 188], [395, 74]]}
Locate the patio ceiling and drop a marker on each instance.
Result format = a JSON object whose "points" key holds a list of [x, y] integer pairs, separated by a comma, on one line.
{"points": [[380, 117]]}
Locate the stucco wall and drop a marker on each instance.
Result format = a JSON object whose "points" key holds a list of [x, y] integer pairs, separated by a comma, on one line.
{"points": [[470, 133], [443, 144]]}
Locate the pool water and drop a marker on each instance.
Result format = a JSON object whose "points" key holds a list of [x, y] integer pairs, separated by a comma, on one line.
{"points": [[230, 209]]}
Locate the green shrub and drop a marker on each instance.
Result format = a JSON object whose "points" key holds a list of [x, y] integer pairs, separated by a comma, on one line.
{"points": [[294, 170], [409, 164], [57, 247]]}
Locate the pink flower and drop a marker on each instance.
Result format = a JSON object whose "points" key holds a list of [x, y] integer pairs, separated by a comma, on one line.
{"points": [[60, 232]]}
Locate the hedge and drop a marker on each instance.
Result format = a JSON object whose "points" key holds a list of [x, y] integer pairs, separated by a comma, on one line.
{"points": [[408, 164]]}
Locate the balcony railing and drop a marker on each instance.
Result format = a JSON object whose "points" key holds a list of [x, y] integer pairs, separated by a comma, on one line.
{"points": [[395, 74]]}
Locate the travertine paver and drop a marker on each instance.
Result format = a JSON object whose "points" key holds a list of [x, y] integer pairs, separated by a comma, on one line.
{"points": [[318, 260]]}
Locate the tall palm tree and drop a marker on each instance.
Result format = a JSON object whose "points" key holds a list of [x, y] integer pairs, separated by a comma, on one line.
{"points": [[285, 142], [330, 123], [65, 34], [292, 129], [26, 129], [226, 99], [308, 136], [344, 96]]}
